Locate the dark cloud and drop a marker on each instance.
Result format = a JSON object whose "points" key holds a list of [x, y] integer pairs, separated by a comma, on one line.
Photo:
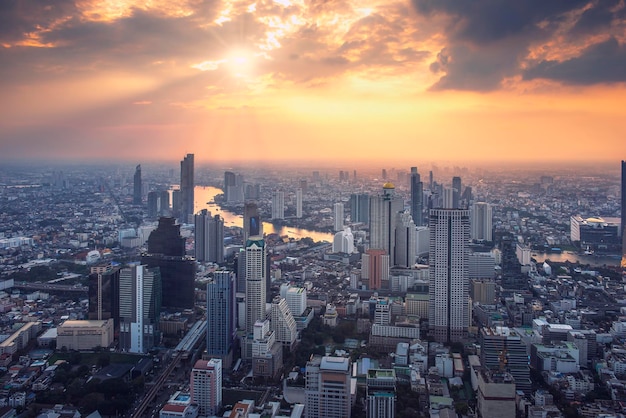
{"points": [[489, 40], [21, 17], [604, 62]]}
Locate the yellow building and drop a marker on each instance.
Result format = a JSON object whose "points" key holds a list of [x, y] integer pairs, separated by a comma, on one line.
{"points": [[85, 335]]}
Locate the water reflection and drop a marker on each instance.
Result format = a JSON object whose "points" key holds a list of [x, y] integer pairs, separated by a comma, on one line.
{"points": [[592, 260], [204, 199]]}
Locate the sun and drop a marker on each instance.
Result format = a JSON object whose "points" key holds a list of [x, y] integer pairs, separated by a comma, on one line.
{"points": [[241, 63]]}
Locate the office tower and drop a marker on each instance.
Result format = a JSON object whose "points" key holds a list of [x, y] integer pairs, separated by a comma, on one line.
{"points": [[383, 211], [360, 208], [502, 349], [177, 202], [381, 393], [304, 185], [446, 200], [252, 225], [104, 296], [282, 323], [382, 311], [456, 192], [343, 242], [417, 197], [327, 389], [431, 182], [255, 281], [384, 174], [209, 237], [230, 179], [164, 203], [623, 217], [466, 197], [221, 311], [375, 269], [496, 394], [448, 314], [338, 216], [233, 187], [267, 352], [153, 204], [298, 203], [278, 205], [483, 291], [166, 250], [186, 187], [296, 300], [512, 276], [137, 186], [482, 222], [140, 303], [406, 241], [206, 386]]}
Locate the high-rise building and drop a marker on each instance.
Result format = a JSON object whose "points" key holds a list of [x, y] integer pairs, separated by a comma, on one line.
{"points": [[381, 393], [177, 202], [278, 205], [230, 180], [187, 187], [360, 208], [139, 305], [298, 203], [282, 322], [266, 351], [456, 192], [482, 222], [233, 187], [343, 242], [104, 296], [209, 237], [328, 388], [166, 250], [164, 203], [255, 281], [502, 349], [221, 316], [296, 300], [623, 217], [375, 269], [448, 314], [252, 225], [153, 204], [137, 186], [383, 211], [338, 216], [406, 241], [417, 197], [206, 386]]}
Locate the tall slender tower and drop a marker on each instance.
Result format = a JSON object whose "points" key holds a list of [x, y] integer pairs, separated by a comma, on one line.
{"points": [[338, 215], [417, 197], [278, 205], [448, 310], [206, 386], [255, 281], [482, 222], [298, 203], [456, 192], [623, 220], [383, 211], [209, 237], [137, 185], [186, 187], [221, 316]]}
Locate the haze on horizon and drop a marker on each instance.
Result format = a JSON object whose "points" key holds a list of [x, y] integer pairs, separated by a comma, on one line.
{"points": [[313, 81]]}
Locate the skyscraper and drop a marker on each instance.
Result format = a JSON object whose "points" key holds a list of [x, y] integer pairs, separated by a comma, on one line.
{"points": [[137, 186], [186, 187], [381, 393], [338, 216], [209, 237], [448, 313], [153, 204], [255, 281], [278, 205], [406, 241], [417, 197], [298, 203], [482, 222], [140, 303], [221, 316], [502, 349], [456, 192], [375, 269], [230, 179], [623, 218], [252, 225], [166, 250], [104, 296], [360, 208], [206, 386], [282, 322], [383, 211]]}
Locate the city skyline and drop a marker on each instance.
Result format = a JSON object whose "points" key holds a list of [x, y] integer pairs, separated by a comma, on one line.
{"points": [[240, 80]]}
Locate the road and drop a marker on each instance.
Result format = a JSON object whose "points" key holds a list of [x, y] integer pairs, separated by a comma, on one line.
{"points": [[143, 405]]}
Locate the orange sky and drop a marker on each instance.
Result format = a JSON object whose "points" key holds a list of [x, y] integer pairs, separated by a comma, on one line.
{"points": [[313, 80]]}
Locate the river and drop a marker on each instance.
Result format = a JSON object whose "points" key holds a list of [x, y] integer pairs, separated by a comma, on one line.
{"points": [[592, 260], [204, 199]]}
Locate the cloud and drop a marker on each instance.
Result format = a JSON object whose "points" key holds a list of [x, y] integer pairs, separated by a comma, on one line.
{"points": [[604, 62], [489, 41]]}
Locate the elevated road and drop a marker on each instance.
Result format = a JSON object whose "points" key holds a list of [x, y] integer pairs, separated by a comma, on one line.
{"points": [[51, 287], [143, 405]]}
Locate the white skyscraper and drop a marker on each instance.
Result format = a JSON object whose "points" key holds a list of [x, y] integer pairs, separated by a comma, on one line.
{"points": [[278, 205], [343, 242], [255, 282], [206, 386], [282, 322], [296, 300], [298, 203], [338, 216], [482, 222], [448, 311]]}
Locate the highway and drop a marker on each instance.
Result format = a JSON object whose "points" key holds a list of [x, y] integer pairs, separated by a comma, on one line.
{"points": [[141, 408], [47, 287]]}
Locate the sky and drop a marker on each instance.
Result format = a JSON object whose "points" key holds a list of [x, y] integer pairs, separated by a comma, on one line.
{"points": [[313, 80]]}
